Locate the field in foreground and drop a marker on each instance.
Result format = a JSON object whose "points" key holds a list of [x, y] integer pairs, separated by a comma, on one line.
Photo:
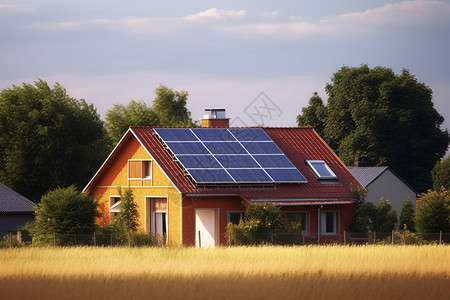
{"points": [[312, 272]]}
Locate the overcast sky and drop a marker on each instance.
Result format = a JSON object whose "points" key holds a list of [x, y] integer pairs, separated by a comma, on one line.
{"points": [[261, 60]]}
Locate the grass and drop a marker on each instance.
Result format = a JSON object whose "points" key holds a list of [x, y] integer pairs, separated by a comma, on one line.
{"points": [[312, 272]]}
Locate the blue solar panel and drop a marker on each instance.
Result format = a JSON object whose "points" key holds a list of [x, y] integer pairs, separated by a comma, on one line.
{"points": [[286, 175], [250, 134], [176, 134], [187, 148], [198, 161], [249, 175], [262, 148], [213, 134], [210, 175], [222, 155], [273, 161], [237, 161], [225, 148]]}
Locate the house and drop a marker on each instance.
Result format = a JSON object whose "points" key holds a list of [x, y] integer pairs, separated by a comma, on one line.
{"points": [[384, 182], [15, 210], [189, 183]]}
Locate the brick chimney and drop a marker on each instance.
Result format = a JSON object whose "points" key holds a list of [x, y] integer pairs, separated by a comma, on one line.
{"points": [[362, 161], [215, 118]]}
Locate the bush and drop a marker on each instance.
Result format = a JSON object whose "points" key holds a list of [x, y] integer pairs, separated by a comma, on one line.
{"points": [[407, 215], [433, 215], [63, 211], [140, 239]]}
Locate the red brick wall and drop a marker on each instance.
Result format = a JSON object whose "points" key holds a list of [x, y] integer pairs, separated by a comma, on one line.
{"points": [[222, 204]]}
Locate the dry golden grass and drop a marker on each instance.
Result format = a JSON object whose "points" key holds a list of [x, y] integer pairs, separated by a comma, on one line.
{"points": [[312, 272]]}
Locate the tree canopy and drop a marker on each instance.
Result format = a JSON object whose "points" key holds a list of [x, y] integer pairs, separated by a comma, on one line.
{"points": [[433, 214], [385, 117], [169, 109], [47, 139], [441, 174]]}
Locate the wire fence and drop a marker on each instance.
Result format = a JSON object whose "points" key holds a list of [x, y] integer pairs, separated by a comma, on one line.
{"points": [[19, 239]]}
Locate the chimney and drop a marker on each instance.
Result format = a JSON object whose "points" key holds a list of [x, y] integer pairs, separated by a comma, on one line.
{"points": [[362, 161], [215, 118]]}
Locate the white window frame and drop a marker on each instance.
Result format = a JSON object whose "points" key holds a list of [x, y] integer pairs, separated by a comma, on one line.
{"points": [[311, 164], [323, 222], [143, 164]]}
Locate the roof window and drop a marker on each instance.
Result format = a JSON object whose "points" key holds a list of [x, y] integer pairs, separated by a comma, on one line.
{"points": [[321, 169]]}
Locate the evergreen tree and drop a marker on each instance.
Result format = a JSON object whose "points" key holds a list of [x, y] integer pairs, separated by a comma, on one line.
{"points": [[407, 215], [386, 216], [126, 221]]}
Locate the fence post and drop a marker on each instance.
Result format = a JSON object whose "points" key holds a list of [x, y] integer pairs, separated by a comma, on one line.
{"points": [[440, 237]]}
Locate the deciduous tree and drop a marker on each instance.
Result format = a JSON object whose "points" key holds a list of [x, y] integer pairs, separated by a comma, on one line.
{"points": [[47, 139], [433, 214]]}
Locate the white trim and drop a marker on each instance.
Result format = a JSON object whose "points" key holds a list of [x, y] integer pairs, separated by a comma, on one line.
{"points": [[106, 160], [162, 170]]}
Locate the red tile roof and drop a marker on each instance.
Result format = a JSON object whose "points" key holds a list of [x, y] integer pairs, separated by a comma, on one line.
{"points": [[298, 144]]}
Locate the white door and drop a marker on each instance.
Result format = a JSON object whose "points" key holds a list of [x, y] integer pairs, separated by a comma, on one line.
{"points": [[205, 228]]}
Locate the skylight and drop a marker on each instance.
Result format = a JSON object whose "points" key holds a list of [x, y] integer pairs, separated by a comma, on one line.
{"points": [[321, 169]]}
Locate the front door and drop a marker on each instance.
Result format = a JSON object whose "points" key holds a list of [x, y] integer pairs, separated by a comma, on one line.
{"points": [[205, 228]]}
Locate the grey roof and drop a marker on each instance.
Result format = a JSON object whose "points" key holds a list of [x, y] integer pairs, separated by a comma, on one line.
{"points": [[13, 202], [366, 175]]}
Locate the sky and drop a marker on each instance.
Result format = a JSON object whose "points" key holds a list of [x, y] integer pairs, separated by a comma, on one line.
{"points": [[260, 60]]}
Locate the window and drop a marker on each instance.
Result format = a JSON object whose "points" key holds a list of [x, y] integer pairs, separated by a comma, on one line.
{"points": [[321, 169], [139, 169], [296, 217], [328, 222], [235, 217], [159, 214], [114, 207]]}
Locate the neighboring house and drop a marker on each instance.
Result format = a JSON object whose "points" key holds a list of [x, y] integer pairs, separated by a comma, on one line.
{"points": [[15, 210], [189, 183], [384, 182]]}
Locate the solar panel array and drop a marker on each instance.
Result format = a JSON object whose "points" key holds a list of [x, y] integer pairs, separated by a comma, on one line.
{"points": [[230, 155]]}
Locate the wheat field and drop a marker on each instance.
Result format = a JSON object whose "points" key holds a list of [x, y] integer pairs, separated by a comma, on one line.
{"points": [[308, 272]]}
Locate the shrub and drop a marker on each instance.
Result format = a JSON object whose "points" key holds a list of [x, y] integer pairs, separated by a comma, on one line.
{"points": [[434, 213], [407, 215]]}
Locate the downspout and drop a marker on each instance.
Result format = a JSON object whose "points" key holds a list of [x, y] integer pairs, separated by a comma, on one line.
{"points": [[319, 223]]}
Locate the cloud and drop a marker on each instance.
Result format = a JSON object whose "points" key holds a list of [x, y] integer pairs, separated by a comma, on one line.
{"points": [[214, 14]]}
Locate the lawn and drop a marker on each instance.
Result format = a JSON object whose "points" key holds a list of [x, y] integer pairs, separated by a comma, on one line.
{"points": [[311, 272]]}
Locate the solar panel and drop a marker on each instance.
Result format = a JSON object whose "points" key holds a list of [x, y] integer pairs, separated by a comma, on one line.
{"points": [[229, 155]]}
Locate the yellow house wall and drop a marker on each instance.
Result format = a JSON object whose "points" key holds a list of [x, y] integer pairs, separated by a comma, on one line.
{"points": [[116, 175]]}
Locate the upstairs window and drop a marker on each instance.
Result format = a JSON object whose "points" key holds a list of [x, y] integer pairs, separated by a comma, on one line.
{"points": [[321, 169], [139, 169]]}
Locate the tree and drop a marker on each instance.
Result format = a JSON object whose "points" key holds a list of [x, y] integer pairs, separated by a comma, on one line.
{"points": [[314, 114], [120, 118], [433, 214], [267, 215], [386, 117], [441, 174], [47, 139], [168, 110], [126, 221], [170, 107], [63, 211], [365, 212], [407, 215], [385, 216]]}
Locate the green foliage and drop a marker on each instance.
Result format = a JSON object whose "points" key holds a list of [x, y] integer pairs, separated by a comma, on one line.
{"points": [[126, 221], [441, 174], [364, 212], [170, 107], [120, 118], [386, 117], [47, 139], [140, 239], [267, 216], [63, 211], [433, 214], [169, 110], [264, 223], [314, 114], [407, 215], [385, 216], [410, 238]]}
